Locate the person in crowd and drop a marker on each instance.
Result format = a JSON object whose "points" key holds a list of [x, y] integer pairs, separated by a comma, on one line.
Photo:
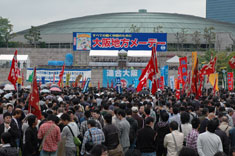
{"points": [[220, 154], [133, 127], [224, 126], [1, 115], [204, 123], [93, 135], [111, 134], [185, 127], [133, 152], [10, 108], [136, 116], [7, 149], [229, 115], [31, 139], [5, 126], [176, 116], [162, 128], [223, 137], [174, 140], [186, 151], [69, 131], [232, 137], [15, 123], [191, 140], [209, 143], [49, 133], [84, 125], [146, 138], [99, 150], [124, 128], [96, 115]]}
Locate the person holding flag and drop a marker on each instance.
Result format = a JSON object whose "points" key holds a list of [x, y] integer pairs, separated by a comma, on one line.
{"points": [[34, 106], [13, 74]]}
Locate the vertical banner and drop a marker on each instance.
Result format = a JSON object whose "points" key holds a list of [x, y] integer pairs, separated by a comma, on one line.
{"points": [[183, 69], [164, 73], [43, 80], [172, 82], [230, 81], [118, 85], [224, 80], [86, 85], [160, 82]]}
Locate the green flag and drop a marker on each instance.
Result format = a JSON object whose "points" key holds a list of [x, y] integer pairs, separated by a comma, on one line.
{"points": [[30, 79]]}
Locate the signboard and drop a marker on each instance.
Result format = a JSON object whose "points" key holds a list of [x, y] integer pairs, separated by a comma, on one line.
{"points": [[127, 77], [47, 74], [118, 41]]}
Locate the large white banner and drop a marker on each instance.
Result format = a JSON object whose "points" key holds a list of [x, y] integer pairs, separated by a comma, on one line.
{"points": [[48, 74]]}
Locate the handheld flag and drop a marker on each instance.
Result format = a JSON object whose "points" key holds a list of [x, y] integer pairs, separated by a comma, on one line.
{"points": [[232, 62], [34, 106], [61, 77], [13, 76]]}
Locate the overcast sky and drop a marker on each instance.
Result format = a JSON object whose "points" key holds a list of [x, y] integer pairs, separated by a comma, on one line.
{"points": [[25, 13]]}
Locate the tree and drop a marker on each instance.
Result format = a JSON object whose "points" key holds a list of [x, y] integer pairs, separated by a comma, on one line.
{"points": [[33, 36], [157, 29], [177, 36], [233, 40], [196, 39], [134, 29], [209, 36], [6, 31]]}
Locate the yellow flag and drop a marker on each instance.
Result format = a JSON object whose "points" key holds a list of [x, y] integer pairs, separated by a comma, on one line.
{"points": [[194, 61], [67, 79], [90, 85], [212, 78], [19, 80]]}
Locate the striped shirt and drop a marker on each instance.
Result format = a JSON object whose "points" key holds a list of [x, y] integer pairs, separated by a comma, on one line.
{"points": [[97, 137], [191, 140]]}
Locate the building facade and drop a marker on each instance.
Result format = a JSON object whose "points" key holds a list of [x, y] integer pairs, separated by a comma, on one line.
{"points": [[221, 10]]}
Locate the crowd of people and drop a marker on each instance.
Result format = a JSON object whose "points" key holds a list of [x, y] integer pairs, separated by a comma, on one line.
{"points": [[103, 122]]}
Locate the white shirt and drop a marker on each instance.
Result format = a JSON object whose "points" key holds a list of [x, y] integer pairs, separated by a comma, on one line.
{"points": [[208, 144]]}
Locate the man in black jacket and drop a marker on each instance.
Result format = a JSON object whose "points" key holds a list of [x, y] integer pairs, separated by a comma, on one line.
{"points": [[111, 134], [146, 142]]}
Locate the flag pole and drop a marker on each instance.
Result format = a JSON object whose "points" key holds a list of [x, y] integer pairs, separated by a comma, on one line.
{"points": [[155, 48]]}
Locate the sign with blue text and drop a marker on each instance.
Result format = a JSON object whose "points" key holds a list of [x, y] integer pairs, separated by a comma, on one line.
{"points": [[118, 41], [48, 74], [127, 76]]}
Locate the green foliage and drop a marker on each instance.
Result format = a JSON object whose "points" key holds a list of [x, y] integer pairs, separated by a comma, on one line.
{"points": [[209, 36], [134, 29], [6, 31], [33, 36], [196, 39], [158, 29]]}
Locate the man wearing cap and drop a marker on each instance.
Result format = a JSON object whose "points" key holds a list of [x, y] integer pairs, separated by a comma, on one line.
{"points": [[137, 117]]}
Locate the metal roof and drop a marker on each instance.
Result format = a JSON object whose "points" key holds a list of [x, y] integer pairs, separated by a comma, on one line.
{"points": [[121, 22]]}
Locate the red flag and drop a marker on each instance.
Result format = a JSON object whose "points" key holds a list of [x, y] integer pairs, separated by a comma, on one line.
{"points": [[177, 94], [230, 81], [83, 82], [209, 68], [111, 83], [22, 78], [232, 62], [149, 72], [161, 82], [34, 106], [12, 77], [195, 79], [183, 70], [61, 77], [99, 85], [199, 92]]}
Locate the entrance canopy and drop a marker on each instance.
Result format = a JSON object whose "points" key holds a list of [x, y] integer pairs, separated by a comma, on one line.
{"points": [[174, 59], [23, 60]]}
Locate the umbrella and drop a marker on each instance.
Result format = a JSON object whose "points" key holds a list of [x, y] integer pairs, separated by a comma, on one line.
{"points": [[45, 91], [54, 85], [43, 86], [55, 89], [2, 85], [1, 91], [145, 92], [8, 95], [9, 87]]}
